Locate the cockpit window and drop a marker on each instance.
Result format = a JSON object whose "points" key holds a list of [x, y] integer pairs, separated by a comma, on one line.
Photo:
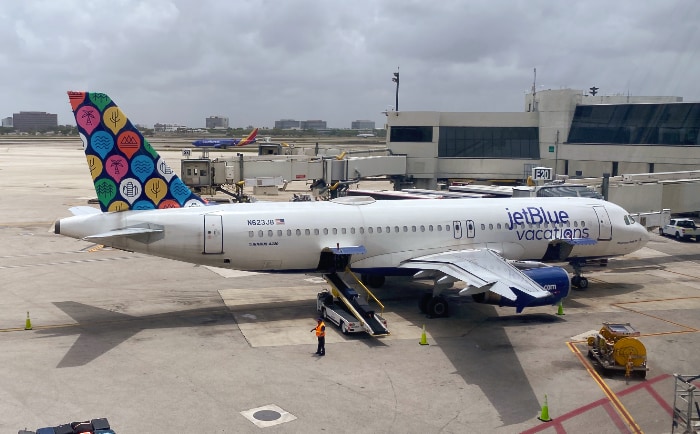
{"points": [[629, 220]]}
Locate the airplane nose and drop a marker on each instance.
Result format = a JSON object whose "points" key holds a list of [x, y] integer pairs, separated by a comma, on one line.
{"points": [[644, 233]]}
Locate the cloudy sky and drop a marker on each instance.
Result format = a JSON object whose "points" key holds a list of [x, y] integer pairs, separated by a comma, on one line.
{"points": [[257, 61]]}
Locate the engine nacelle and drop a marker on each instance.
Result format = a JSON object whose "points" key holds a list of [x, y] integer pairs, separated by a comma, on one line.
{"points": [[554, 279]]}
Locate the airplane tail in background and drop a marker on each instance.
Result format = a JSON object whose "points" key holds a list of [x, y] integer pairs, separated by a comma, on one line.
{"points": [[128, 173], [249, 139]]}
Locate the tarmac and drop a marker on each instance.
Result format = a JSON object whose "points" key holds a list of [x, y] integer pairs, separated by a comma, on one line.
{"points": [[158, 345]]}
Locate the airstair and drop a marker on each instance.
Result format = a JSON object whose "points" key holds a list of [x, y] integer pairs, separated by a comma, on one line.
{"points": [[357, 304]]}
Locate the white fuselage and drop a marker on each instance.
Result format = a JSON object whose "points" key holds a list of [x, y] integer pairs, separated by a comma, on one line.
{"points": [[290, 236]]}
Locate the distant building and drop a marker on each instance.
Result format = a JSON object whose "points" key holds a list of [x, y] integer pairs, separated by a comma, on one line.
{"points": [[168, 128], [313, 125], [7, 122], [362, 125], [34, 121], [287, 124], [216, 122]]}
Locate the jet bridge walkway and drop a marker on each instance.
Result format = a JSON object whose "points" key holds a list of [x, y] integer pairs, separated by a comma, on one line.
{"points": [[357, 305]]}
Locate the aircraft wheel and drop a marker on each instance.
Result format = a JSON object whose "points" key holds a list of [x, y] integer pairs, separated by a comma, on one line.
{"points": [[583, 283], [437, 307], [423, 303], [575, 280]]}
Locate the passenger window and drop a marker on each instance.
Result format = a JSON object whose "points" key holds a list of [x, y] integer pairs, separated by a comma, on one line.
{"points": [[298, 231], [439, 228], [483, 227], [422, 228], [413, 228], [575, 224], [405, 228], [352, 230], [379, 229], [279, 232], [396, 229], [307, 231], [498, 226], [316, 232], [362, 230], [251, 234], [289, 232], [269, 233], [388, 229], [370, 230], [343, 231], [325, 231], [430, 228], [260, 234], [490, 226], [335, 231]]}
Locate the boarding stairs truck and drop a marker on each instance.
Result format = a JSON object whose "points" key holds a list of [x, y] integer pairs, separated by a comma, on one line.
{"points": [[356, 305], [335, 312]]}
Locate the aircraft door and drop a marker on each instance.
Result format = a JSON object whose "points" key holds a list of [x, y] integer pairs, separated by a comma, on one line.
{"points": [[604, 225], [471, 229], [213, 234], [457, 229]]}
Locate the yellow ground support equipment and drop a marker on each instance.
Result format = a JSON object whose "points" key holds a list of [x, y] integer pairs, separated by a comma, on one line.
{"points": [[616, 347]]}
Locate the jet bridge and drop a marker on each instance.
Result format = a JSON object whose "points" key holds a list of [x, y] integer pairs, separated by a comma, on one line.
{"points": [[357, 305]]}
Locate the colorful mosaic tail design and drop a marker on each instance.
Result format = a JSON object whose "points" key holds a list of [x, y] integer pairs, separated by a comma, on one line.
{"points": [[128, 173]]}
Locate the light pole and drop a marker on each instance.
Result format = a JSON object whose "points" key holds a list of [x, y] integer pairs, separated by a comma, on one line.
{"points": [[395, 79]]}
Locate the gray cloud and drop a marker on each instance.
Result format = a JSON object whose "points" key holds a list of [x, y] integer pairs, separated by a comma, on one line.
{"points": [[257, 61]]}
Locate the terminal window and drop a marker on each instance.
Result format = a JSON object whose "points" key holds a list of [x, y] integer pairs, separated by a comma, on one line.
{"points": [[411, 134], [489, 142], [671, 124]]}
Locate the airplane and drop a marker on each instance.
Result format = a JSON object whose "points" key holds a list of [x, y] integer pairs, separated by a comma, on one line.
{"points": [[498, 247], [224, 143], [365, 135]]}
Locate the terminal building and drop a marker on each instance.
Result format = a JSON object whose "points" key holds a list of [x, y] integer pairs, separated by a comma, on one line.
{"points": [[216, 122], [576, 134]]}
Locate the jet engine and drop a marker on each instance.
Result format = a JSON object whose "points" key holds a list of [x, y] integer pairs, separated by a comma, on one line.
{"points": [[553, 279]]}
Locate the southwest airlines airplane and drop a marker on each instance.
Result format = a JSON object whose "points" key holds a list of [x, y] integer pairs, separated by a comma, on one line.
{"points": [[495, 246], [224, 143]]}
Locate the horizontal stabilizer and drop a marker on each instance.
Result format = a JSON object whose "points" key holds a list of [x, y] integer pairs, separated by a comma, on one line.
{"points": [[123, 233], [83, 210]]}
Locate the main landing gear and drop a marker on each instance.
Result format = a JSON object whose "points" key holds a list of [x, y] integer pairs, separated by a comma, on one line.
{"points": [[577, 280], [434, 306]]}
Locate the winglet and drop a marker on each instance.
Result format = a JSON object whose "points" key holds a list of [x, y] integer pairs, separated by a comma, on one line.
{"points": [[128, 173]]}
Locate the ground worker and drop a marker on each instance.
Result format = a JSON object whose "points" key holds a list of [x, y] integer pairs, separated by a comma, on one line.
{"points": [[320, 330]]}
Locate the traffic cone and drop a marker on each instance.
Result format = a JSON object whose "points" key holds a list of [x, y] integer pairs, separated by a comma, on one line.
{"points": [[28, 323], [544, 415], [423, 337], [560, 311]]}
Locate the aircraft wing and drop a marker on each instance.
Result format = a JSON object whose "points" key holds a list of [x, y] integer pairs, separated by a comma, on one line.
{"points": [[482, 270]]}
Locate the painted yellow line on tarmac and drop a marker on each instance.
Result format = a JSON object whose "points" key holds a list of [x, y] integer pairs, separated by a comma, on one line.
{"points": [[617, 404]]}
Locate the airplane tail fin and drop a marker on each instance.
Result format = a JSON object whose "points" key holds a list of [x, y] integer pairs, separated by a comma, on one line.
{"points": [[128, 173], [249, 139]]}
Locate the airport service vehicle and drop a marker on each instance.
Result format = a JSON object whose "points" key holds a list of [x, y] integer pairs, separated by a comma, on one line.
{"points": [[335, 313], [616, 347], [145, 207], [681, 229], [94, 426]]}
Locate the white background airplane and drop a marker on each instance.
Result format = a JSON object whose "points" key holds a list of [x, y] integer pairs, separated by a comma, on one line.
{"points": [[481, 242]]}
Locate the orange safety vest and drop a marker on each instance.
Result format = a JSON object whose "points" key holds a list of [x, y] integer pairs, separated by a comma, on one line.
{"points": [[321, 329]]}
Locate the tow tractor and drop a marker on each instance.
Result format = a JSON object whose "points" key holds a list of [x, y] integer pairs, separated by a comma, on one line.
{"points": [[616, 347]]}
